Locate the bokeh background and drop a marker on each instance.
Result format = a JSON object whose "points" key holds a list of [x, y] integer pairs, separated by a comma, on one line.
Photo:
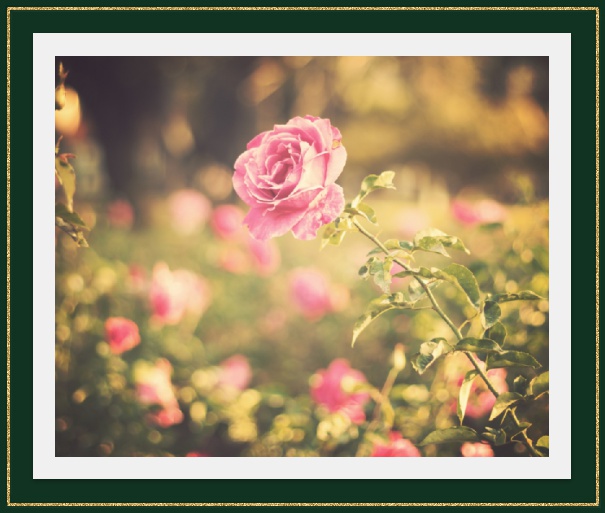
{"points": [[231, 331]]}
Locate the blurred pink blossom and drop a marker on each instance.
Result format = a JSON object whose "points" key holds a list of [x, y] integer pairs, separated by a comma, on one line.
{"points": [[189, 211], [137, 278], [412, 221], [235, 373], [196, 454], [397, 446], [479, 212], [154, 386], [265, 255], [327, 390], [478, 450], [121, 334], [314, 295], [174, 294], [227, 222], [120, 214]]}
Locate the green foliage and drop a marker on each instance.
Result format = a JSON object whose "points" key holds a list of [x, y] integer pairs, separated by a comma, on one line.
{"points": [[475, 345], [494, 435], [451, 435], [374, 182], [512, 359], [491, 314], [497, 333], [539, 385], [465, 390], [429, 353], [435, 241], [525, 295], [376, 308], [71, 223], [504, 402]]}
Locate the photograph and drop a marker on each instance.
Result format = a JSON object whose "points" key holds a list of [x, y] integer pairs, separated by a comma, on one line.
{"points": [[301, 256]]}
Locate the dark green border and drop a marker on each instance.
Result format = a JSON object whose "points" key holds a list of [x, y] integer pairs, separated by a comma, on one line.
{"points": [[581, 24]]}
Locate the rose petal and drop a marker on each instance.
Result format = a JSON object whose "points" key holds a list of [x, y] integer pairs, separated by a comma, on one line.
{"points": [[264, 224], [327, 208]]}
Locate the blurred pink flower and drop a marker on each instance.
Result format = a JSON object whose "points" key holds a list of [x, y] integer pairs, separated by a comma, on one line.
{"points": [[121, 334], [174, 294], [480, 212], [120, 214], [327, 390], [227, 222], [196, 454], [265, 255], [314, 295], [189, 211], [154, 386], [235, 372], [397, 446], [478, 450], [137, 278]]}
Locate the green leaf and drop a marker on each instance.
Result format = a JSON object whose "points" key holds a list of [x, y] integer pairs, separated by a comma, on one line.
{"points": [[511, 427], [465, 390], [436, 241], [520, 385], [543, 442], [394, 244], [539, 384], [67, 178], [491, 314], [450, 435], [372, 182], [416, 292], [381, 271], [494, 435], [497, 333], [477, 345], [429, 353], [525, 295], [376, 308], [504, 402], [511, 359], [466, 280], [332, 235], [68, 216], [364, 210]]}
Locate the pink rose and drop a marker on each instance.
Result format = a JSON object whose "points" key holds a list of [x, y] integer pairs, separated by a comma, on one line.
{"points": [[314, 295], [174, 294], [189, 211], [287, 177], [235, 373], [121, 334], [154, 387], [327, 390], [226, 221], [481, 400], [265, 255], [397, 446], [479, 450]]}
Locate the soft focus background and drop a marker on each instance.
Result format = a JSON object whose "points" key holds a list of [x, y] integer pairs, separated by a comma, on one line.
{"points": [[229, 332]]}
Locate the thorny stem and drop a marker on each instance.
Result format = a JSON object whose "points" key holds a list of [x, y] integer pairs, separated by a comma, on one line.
{"points": [[449, 322]]}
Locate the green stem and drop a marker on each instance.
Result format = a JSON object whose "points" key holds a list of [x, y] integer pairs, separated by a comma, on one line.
{"points": [[448, 321]]}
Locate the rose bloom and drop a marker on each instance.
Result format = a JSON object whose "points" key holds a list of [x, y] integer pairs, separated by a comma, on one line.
{"points": [[235, 373], [287, 177], [480, 212], [174, 294], [314, 295], [327, 390], [478, 450], [226, 221], [189, 211], [120, 214], [397, 446], [154, 387], [265, 256], [121, 334]]}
